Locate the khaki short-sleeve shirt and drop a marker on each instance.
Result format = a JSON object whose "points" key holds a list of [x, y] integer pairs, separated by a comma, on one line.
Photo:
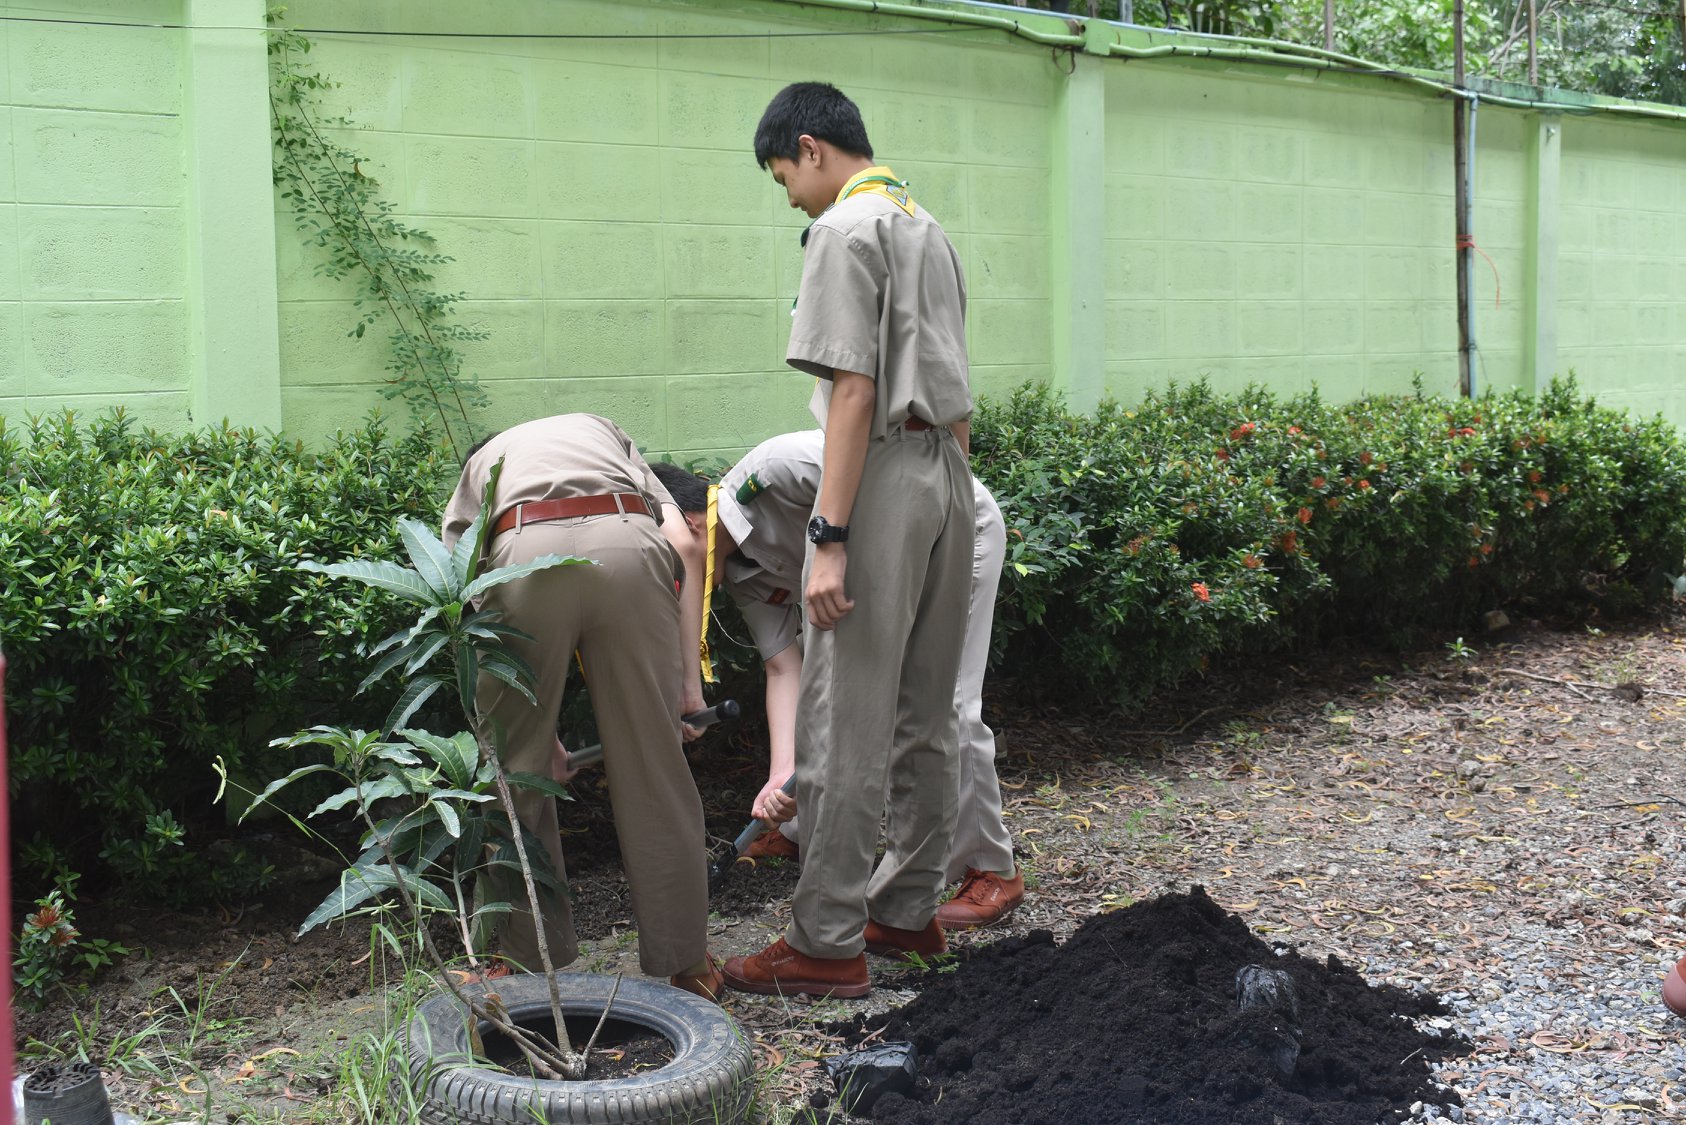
{"points": [[550, 458], [764, 502], [883, 294]]}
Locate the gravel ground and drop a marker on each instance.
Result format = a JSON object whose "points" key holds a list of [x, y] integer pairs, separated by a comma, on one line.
{"points": [[1504, 830]]}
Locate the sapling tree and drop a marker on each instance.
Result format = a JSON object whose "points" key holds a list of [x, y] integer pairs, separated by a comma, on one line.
{"points": [[457, 805]]}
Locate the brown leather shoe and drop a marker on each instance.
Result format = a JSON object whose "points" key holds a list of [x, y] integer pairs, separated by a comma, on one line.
{"points": [[983, 898], [780, 970], [772, 844], [705, 984], [887, 941]]}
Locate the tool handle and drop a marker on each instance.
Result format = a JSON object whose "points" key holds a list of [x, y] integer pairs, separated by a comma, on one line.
{"points": [[757, 826], [725, 710]]}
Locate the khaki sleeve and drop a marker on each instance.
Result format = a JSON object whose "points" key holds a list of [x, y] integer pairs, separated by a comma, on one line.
{"points": [[836, 319]]}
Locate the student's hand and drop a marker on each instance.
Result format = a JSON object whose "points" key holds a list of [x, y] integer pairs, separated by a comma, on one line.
{"points": [[773, 804], [562, 768], [691, 703], [825, 599]]}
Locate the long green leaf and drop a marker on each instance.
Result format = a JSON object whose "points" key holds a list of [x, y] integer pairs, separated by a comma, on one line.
{"points": [[500, 670], [468, 674], [455, 759], [361, 884], [429, 556], [519, 570], [387, 576], [419, 691], [469, 555], [281, 783], [367, 793], [541, 784], [426, 652], [447, 816]]}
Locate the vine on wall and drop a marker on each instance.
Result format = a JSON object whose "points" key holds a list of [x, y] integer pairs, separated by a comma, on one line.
{"points": [[338, 208]]}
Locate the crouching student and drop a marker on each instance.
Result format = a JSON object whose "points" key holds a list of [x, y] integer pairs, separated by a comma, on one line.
{"points": [[761, 513]]}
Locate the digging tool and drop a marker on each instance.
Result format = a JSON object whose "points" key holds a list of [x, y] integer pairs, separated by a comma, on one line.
{"points": [[724, 711], [721, 867]]}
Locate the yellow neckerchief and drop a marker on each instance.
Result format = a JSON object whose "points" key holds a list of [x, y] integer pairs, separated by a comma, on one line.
{"points": [[878, 180], [708, 581]]}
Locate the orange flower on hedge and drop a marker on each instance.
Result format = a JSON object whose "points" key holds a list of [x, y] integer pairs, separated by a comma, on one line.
{"points": [[1201, 592], [1366, 457], [1486, 548], [1293, 429], [1542, 495], [1534, 477], [1363, 484], [1332, 503], [1319, 482], [1289, 540], [1474, 561], [1241, 431], [1304, 515], [1251, 562], [1222, 455]]}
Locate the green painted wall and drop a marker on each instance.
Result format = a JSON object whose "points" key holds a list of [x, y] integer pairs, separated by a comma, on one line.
{"points": [[1123, 223], [93, 220]]}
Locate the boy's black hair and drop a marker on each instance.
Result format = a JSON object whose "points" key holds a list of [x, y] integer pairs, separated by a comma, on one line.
{"points": [[688, 490], [818, 109]]}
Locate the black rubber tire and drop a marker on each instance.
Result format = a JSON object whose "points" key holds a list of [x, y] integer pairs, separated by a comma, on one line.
{"points": [[709, 1082]]}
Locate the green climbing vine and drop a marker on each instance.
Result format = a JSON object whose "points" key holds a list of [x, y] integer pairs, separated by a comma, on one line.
{"points": [[337, 206]]}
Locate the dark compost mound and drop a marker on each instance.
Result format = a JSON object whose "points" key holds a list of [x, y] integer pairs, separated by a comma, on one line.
{"points": [[1135, 1019]]}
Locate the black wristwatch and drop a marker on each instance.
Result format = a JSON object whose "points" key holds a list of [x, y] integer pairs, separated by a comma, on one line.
{"points": [[820, 531]]}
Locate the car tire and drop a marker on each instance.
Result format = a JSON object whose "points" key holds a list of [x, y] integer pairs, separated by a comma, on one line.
{"points": [[709, 1082]]}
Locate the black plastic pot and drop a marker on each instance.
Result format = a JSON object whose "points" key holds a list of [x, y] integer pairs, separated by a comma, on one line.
{"points": [[66, 1094]]}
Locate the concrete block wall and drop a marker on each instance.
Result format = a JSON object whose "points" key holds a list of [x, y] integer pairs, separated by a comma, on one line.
{"points": [[1291, 235], [1123, 224], [609, 222], [93, 264], [1622, 262]]}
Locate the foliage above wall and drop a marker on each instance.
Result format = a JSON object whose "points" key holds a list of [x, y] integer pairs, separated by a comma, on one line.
{"points": [[339, 209]]}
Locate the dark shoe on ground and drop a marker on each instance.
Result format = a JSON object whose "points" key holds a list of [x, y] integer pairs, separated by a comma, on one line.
{"points": [[706, 984], [887, 941], [772, 844], [780, 970], [983, 898]]}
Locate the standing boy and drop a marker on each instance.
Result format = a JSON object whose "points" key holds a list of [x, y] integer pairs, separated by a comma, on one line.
{"points": [[762, 505], [575, 484], [880, 320]]}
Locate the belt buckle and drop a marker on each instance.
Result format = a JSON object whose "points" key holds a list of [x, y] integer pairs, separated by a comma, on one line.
{"points": [[520, 516]]}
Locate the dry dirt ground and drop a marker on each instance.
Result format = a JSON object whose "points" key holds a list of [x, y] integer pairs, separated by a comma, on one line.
{"points": [[1414, 815]]}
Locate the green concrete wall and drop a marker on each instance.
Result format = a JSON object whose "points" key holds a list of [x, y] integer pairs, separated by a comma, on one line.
{"points": [[93, 218], [1123, 223]]}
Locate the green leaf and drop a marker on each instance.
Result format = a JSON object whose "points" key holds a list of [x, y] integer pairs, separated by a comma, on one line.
{"points": [[431, 560], [520, 570], [447, 816], [468, 673], [540, 784], [386, 576], [365, 794], [418, 692], [361, 884], [281, 783], [457, 756]]}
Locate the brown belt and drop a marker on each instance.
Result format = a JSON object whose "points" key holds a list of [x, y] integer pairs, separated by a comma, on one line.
{"points": [[541, 511], [916, 424]]}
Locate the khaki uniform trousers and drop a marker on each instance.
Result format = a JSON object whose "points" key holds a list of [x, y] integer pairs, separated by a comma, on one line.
{"points": [[980, 833], [876, 733], [623, 617]]}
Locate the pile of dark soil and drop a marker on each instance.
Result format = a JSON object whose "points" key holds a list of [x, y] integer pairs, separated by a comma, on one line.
{"points": [[1135, 1019]]}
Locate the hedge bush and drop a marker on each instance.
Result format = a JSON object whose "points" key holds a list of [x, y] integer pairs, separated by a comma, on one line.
{"points": [[1141, 542], [153, 619]]}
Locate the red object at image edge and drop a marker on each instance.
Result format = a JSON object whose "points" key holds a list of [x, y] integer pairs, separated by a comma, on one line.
{"points": [[1674, 989]]}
